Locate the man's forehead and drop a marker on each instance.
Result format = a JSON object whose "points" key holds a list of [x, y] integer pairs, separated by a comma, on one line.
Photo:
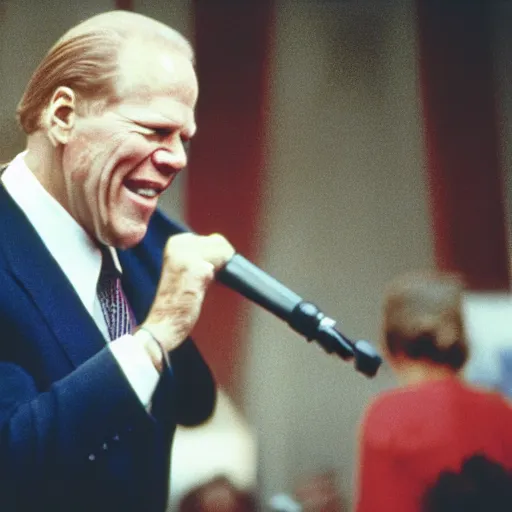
{"points": [[148, 69], [136, 50]]}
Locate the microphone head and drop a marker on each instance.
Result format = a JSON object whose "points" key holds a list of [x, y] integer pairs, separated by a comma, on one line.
{"points": [[367, 359]]}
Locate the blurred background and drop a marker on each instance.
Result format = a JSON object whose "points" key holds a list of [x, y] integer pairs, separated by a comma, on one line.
{"points": [[340, 142]]}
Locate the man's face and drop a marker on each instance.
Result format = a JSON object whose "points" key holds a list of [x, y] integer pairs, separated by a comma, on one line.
{"points": [[117, 163]]}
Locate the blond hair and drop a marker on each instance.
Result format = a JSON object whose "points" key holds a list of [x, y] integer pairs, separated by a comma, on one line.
{"points": [[423, 318], [85, 59]]}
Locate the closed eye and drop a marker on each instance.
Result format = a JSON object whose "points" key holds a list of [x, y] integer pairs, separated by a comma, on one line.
{"points": [[162, 132]]}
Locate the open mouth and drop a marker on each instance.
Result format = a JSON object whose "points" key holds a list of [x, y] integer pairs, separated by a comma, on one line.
{"points": [[144, 188]]}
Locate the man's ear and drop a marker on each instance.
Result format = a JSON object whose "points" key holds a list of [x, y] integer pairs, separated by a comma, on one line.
{"points": [[60, 115]]}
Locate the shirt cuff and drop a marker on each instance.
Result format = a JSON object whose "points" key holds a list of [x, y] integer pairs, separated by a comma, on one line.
{"points": [[137, 367]]}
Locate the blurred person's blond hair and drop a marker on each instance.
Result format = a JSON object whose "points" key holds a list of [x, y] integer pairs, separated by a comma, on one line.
{"points": [[86, 59], [423, 319]]}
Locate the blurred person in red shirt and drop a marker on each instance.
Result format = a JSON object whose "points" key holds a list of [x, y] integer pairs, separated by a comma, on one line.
{"points": [[435, 420]]}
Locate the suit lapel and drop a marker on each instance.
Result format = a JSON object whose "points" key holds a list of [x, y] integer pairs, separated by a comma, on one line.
{"points": [[32, 265]]}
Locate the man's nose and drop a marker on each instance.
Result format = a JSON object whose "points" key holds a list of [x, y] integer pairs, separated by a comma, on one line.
{"points": [[171, 159]]}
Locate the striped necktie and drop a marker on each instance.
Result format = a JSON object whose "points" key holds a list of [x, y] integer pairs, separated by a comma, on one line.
{"points": [[115, 307]]}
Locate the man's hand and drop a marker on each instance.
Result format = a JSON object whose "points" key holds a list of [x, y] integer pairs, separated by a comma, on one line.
{"points": [[189, 265]]}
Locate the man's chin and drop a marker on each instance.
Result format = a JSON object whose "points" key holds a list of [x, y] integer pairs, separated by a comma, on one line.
{"points": [[127, 238]]}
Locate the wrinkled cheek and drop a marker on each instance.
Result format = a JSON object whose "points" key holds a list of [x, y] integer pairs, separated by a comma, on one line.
{"points": [[101, 194], [74, 177], [89, 195]]}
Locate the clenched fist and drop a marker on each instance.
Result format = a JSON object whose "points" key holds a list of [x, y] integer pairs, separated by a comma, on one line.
{"points": [[189, 265]]}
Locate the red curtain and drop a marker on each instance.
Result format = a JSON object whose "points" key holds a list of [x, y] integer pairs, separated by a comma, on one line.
{"points": [[462, 141], [227, 160]]}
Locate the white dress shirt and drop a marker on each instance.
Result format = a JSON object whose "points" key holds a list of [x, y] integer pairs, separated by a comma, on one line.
{"points": [[80, 259]]}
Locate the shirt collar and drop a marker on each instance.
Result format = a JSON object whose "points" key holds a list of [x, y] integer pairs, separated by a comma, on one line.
{"points": [[73, 249]]}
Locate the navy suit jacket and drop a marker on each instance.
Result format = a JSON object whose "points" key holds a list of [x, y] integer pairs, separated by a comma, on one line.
{"points": [[73, 434]]}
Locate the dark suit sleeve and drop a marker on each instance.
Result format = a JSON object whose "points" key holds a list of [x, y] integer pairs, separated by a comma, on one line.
{"points": [[58, 430], [195, 390], [52, 433], [49, 432], [190, 393]]}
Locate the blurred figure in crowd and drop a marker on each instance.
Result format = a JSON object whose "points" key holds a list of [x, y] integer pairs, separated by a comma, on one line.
{"points": [[218, 495], [435, 420], [320, 493], [480, 486], [317, 492]]}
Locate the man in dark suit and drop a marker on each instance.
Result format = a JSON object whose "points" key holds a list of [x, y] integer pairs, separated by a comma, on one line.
{"points": [[96, 299]]}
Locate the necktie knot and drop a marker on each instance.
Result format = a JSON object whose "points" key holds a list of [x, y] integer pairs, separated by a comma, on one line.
{"points": [[109, 270]]}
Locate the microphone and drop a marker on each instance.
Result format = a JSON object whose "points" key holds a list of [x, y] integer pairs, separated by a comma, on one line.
{"points": [[305, 318], [244, 277]]}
